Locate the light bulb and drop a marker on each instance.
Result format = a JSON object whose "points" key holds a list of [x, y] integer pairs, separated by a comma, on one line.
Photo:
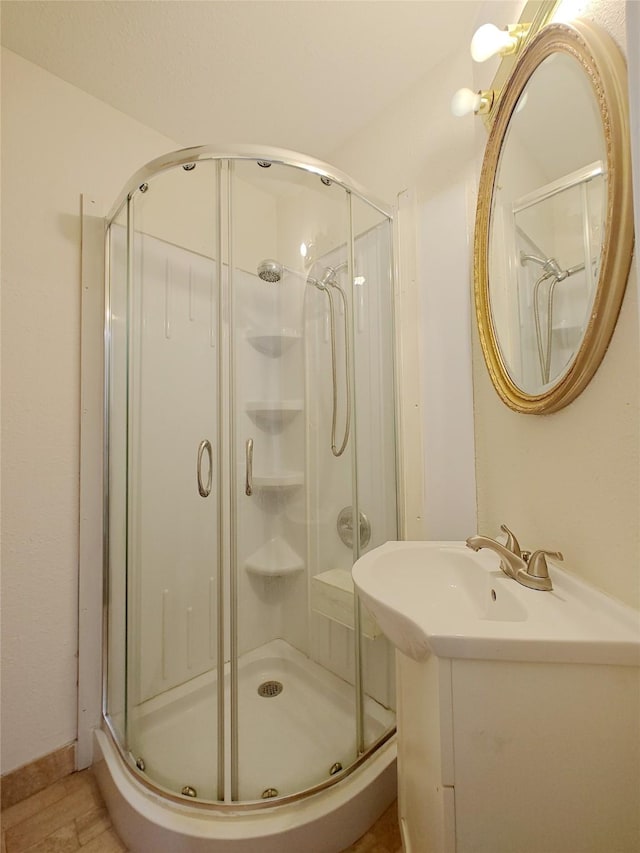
{"points": [[464, 102], [489, 40]]}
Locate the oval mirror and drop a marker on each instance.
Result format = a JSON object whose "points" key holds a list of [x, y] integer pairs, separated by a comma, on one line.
{"points": [[554, 225]]}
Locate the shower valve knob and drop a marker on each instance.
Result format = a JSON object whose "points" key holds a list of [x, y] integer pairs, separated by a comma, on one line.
{"points": [[345, 527]]}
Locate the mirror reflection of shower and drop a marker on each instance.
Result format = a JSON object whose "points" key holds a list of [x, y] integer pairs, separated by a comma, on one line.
{"points": [[555, 241], [271, 271], [552, 273]]}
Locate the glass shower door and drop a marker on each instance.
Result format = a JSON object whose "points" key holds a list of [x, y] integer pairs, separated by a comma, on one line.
{"points": [[374, 402], [295, 723], [173, 574]]}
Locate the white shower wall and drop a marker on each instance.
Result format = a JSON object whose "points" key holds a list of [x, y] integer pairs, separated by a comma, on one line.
{"points": [[175, 406], [173, 596], [174, 529]]}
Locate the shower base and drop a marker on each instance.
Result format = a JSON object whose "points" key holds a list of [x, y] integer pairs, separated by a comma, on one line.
{"points": [[175, 736]]}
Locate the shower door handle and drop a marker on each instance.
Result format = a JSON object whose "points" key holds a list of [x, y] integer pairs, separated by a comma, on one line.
{"points": [[248, 485], [205, 491]]}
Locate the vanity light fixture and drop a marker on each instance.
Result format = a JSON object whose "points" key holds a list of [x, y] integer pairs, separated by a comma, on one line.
{"points": [[467, 101], [508, 43], [490, 41], [487, 41]]}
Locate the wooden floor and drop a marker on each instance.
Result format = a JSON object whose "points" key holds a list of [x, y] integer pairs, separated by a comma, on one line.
{"points": [[383, 837], [70, 816]]}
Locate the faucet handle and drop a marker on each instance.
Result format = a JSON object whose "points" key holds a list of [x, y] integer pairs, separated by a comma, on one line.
{"points": [[536, 575], [537, 566], [512, 543]]}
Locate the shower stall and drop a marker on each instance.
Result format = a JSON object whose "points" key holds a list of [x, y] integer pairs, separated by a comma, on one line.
{"points": [[556, 287], [250, 460]]}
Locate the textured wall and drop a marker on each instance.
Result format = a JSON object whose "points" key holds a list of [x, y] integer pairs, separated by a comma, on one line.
{"points": [[569, 480], [417, 145], [57, 143]]}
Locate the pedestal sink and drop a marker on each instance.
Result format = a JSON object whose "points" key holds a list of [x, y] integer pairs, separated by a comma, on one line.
{"points": [[443, 598]]}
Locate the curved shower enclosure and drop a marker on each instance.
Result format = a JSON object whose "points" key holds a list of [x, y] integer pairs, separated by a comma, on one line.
{"points": [[251, 459]]}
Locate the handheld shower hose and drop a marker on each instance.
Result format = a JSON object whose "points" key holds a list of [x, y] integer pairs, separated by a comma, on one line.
{"points": [[272, 271]]}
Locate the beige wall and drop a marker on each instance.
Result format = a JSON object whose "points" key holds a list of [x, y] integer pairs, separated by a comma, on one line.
{"points": [[57, 142], [418, 146], [567, 481], [570, 480]]}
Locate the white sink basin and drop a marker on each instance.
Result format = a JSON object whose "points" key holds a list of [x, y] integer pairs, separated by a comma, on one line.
{"points": [[443, 598]]}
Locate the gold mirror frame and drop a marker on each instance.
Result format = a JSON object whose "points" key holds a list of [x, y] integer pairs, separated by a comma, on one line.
{"points": [[605, 68]]}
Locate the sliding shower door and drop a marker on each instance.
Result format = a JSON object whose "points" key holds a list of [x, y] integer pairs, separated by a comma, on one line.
{"points": [[172, 501], [296, 720]]}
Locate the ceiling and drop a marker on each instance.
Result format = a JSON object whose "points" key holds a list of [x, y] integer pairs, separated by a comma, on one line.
{"points": [[299, 74]]}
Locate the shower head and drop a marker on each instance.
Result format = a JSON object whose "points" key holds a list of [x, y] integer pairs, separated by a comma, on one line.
{"points": [[270, 270]]}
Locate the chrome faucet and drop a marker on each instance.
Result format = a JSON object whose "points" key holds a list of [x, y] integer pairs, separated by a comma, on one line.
{"points": [[531, 570]]}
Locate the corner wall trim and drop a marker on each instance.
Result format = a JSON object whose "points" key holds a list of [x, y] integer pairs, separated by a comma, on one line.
{"points": [[91, 477]]}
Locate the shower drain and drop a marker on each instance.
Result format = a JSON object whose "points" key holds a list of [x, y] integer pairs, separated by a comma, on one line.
{"points": [[270, 688]]}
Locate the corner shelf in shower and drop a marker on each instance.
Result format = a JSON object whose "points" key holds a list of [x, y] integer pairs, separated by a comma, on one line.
{"points": [[273, 415], [278, 480], [273, 342], [276, 558]]}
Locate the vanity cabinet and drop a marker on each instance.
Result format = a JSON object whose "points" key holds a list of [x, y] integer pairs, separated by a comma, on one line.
{"points": [[518, 757]]}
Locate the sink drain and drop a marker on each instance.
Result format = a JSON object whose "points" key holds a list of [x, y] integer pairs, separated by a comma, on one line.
{"points": [[270, 688]]}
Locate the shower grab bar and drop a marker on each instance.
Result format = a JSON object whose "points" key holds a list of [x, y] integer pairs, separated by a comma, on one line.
{"points": [[248, 487], [205, 491]]}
